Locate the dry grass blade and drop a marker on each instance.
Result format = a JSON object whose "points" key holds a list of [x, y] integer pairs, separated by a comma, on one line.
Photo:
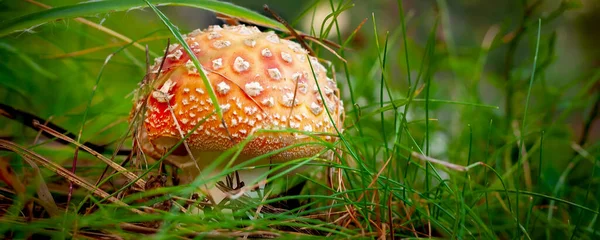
{"points": [[9, 178], [290, 29], [444, 163], [375, 178], [32, 158], [45, 198], [100, 48], [43, 192], [317, 41], [131, 176]]}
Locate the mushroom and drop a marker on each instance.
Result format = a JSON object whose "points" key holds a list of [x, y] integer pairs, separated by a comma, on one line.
{"points": [[261, 82]]}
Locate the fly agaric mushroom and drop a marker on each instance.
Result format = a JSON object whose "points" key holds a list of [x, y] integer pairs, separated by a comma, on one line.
{"points": [[261, 82]]}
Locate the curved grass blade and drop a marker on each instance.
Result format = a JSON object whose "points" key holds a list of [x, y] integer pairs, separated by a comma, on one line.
{"points": [[175, 31], [96, 7]]}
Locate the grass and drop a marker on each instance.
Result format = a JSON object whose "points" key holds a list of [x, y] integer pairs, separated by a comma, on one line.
{"points": [[440, 140]]}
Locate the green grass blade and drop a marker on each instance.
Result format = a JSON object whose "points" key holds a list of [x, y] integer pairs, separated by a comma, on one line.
{"points": [[522, 145], [95, 7], [175, 31]]}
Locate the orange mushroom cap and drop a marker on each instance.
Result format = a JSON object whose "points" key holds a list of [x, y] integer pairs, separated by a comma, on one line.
{"points": [[261, 82]]}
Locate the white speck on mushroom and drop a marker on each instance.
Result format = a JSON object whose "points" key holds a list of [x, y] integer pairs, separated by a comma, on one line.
{"points": [[295, 47], [243, 131], [240, 65], [332, 106], [186, 90], [195, 47], [316, 89], [190, 67], [175, 55], [185, 102], [266, 53], [213, 35], [250, 110], [221, 44], [301, 57], [330, 82], [157, 61], [173, 46], [269, 102], [286, 57], [217, 63], [251, 122], [315, 108], [244, 30], [223, 88], [250, 42], [195, 32], [234, 122], [296, 76], [199, 90], [274, 73], [192, 115], [253, 89], [303, 87], [184, 120], [315, 63], [162, 95], [193, 98], [308, 128], [225, 107], [289, 100], [327, 90], [272, 38]]}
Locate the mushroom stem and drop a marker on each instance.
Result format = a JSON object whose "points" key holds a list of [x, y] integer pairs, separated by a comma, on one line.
{"points": [[248, 175]]}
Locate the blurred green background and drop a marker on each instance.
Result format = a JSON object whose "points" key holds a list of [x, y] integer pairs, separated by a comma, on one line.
{"points": [[483, 54]]}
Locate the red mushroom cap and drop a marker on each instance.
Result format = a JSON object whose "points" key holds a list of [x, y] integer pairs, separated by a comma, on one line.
{"points": [[261, 82]]}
